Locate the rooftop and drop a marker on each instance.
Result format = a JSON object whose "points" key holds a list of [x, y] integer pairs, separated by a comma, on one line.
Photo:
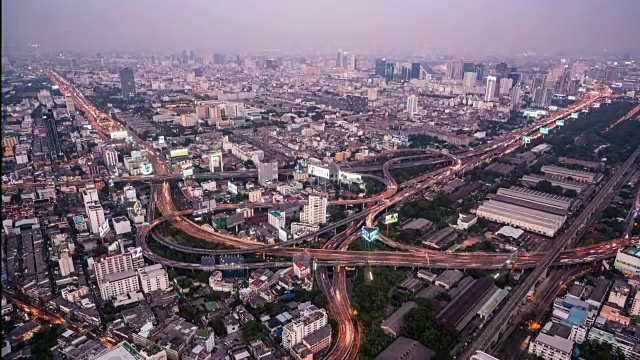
{"points": [[406, 349]]}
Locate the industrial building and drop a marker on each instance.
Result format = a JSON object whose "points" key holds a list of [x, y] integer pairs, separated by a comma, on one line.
{"points": [[576, 175], [533, 180], [536, 221], [535, 199]]}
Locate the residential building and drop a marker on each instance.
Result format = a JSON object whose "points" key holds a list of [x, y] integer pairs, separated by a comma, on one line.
{"points": [[294, 332], [628, 260], [65, 262], [490, 91], [267, 172], [96, 217], [121, 225], [153, 277], [412, 104], [277, 219], [314, 211], [551, 347], [111, 265], [120, 283]]}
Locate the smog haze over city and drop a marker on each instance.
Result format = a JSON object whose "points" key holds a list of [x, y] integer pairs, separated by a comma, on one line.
{"points": [[326, 179], [366, 26]]}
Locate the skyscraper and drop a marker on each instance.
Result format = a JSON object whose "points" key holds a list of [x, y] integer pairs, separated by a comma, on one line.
{"points": [[267, 171], [390, 71], [412, 104], [469, 79], [218, 59], [468, 67], [339, 59], [71, 109], [454, 70], [353, 63], [55, 149], [184, 56], [492, 84], [479, 69], [415, 70], [381, 66], [516, 98], [574, 85], [127, 83], [505, 86], [192, 55], [562, 84], [315, 211], [548, 95], [406, 73], [502, 70]]}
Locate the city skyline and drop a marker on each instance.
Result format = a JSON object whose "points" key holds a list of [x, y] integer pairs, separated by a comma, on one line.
{"points": [[497, 26]]}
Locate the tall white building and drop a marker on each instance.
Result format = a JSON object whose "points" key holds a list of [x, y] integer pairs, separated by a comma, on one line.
{"points": [[469, 79], [372, 94], [628, 260], [277, 219], [153, 277], [267, 171], [111, 265], [294, 332], [130, 193], [551, 347], [95, 213], [352, 62], [490, 92], [215, 160], [90, 195], [65, 261], [120, 283], [505, 85], [71, 109], [412, 104], [315, 211], [110, 156]]}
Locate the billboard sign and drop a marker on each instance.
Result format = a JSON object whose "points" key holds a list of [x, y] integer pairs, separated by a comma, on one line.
{"points": [[370, 234], [560, 122], [350, 177], [575, 115], [544, 130], [135, 252], [160, 139], [187, 172], [391, 218], [104, 228], [526, 140], [119, 134], [147, 169], [282, 235], [179, 152], [318, 171], [232, 188]]}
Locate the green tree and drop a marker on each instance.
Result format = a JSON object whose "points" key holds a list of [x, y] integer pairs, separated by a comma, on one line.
{"points": [[253, 330]]}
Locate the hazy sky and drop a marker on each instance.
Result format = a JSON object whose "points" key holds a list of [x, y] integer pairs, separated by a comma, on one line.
{"points": [[304, 25]]}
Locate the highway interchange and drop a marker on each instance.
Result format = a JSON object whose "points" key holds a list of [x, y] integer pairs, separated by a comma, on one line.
{"points": [[335, 253]]}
